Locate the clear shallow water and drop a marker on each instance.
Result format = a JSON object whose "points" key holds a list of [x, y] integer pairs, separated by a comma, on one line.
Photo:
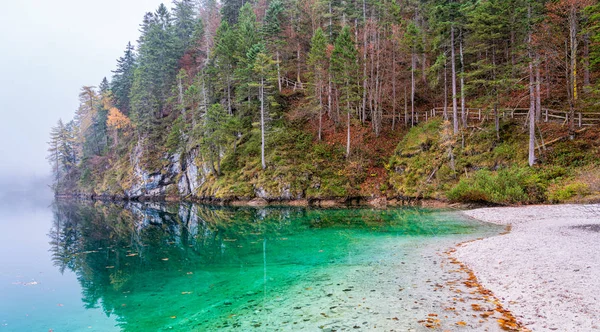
{"points": [[151, 267]]}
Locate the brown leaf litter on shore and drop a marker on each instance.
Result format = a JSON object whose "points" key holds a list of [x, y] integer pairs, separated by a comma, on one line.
{"points": [[506, 319]]}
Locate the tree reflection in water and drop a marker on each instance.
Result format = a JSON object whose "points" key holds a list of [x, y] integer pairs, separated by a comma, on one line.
{"points": [[154, 265]]}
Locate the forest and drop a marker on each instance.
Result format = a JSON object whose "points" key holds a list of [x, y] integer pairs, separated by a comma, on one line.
{"points": [[467, 100]]}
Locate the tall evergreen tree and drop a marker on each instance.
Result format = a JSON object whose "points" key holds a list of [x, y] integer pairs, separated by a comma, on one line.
{"points": [[230, 10], [318, 60], [157, 66], [184, 22], [262, 66], [123, 79], [271, 30], [344, 66]]}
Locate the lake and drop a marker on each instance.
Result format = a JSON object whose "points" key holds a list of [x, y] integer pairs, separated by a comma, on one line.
{"points": [[91, 266]]}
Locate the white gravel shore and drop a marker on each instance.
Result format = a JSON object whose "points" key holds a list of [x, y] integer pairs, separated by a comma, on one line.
{"points": [[546, 271]]}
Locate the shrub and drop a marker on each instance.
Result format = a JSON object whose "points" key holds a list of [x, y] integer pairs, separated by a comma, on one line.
{"points": [[507, 186], [569, 191]]}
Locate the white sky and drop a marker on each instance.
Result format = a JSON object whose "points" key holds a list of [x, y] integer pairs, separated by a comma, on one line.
{"points": [[48, 50]]}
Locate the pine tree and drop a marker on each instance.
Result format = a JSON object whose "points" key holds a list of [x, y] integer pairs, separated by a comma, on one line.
{"points": [[318, 60], [104, 86], [344, 66], [262, 66], [184, 22], [230, 10], [271, 30], [157, 66], [224, 62], [215, 135], [123, 79], [87, 121]]}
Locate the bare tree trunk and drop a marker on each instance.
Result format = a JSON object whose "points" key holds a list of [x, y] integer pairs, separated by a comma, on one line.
{"points": [[180, 97], [329, 91], [531, 114], [586, 60], [412, 90], [573, 37], [229, 95], [298, 65], [320, 108], [497, 121], [394, 85], [538, 93], [445, 90], [405, 108], [348, 136], [262, 122], [377, 110], [330, 21], [531, 98], [278, 72], [547, 77], [454, 101], [568, 72], [462, 83], [364, 99]]}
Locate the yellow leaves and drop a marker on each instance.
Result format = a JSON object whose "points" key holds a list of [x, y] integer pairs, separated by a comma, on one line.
{"points": [[461, 323], [117, 120]]}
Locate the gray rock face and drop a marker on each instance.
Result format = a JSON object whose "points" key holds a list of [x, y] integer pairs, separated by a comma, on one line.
{"points": [[182, 176], [283, 192], [191, 177]]}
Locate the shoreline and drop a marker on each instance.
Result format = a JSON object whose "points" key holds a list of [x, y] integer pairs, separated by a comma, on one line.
{"points": [[546, 270], [379, 202]]}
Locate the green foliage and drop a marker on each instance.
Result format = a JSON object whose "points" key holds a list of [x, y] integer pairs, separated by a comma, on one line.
{"points": [[204, 84], [569, 191], [175, 137], [344, 67], [122, 80], [161, 47], [507, 186], [572, 154]]}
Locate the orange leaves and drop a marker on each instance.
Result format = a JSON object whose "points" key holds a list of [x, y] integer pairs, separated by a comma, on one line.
{"points": [[507, 320], [117, 120], [431, 322]]}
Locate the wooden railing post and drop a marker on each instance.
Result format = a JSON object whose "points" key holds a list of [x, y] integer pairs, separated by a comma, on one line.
{"points": [[479, 115], [579, 119], [546, 115]]}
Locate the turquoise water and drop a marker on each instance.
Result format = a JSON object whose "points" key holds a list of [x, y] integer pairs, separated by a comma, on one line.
{"points": [[152, 267]]}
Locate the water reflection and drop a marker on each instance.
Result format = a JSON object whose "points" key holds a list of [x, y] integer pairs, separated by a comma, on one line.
{"points": [[188, 266]]}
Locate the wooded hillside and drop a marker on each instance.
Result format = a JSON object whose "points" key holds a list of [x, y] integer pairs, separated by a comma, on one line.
{"points": [[302, 99]]}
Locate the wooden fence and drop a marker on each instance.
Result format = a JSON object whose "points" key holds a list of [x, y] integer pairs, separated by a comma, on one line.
{"points": [[480, 115]]}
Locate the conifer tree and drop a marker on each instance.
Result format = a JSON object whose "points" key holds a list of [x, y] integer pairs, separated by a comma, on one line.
{"points": [[344, 66], [271, 29], [123, 79], [317, 60], [262, 66]]}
